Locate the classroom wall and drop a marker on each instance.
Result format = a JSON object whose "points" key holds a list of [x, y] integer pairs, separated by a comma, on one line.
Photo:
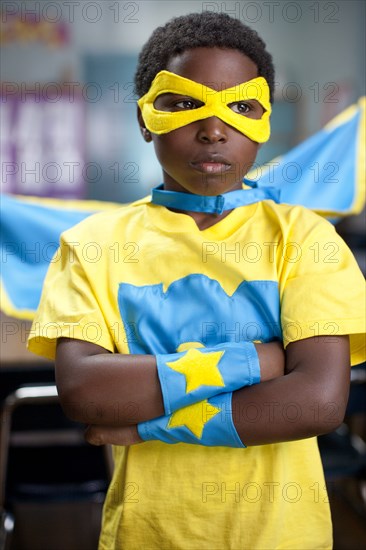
{"points": [[312, 42], [317, 46]]}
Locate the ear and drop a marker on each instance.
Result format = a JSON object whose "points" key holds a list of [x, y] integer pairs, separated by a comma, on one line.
{"points": [[144, 131]]}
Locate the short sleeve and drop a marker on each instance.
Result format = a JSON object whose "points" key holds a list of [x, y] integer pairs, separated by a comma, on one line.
{"points": [[68, 306], [324, 292]]}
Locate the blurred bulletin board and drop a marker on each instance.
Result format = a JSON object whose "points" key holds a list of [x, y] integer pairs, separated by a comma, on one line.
{"points": [[42, 140]]}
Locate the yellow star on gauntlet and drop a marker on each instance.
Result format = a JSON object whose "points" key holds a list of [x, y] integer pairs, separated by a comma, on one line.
{"points": [[187, 377], [194, 417], [200, 369]]}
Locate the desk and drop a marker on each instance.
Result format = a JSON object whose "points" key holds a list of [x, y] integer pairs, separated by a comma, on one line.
{"points": [[19, 366]]}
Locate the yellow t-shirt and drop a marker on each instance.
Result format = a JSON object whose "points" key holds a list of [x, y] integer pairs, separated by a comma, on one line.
{"points": [[143, 279]]}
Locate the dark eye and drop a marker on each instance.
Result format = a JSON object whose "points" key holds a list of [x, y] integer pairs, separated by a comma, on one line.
{"points": [[241, 107], [176, 102], [186, 104]]}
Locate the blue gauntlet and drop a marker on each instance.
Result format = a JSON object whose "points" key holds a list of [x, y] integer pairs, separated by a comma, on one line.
{"points": [[191, 376], [208, 423]]}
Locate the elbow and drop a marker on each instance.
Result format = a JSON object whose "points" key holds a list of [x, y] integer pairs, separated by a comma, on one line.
{"points": [[78, 380], [70, 402], [73, 401], [327, 412]]}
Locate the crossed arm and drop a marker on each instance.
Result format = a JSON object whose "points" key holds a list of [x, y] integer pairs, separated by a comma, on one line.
{"points": [[303, 392]]}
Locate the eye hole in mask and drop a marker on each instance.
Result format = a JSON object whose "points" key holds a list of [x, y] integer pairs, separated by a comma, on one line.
{"points": [[174, 101]]}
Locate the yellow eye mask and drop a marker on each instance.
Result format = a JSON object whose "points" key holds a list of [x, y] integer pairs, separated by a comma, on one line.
{"points": [[216, 103]]}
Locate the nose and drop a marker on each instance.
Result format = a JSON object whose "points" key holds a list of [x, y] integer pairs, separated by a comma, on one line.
{"points": [[212, 130]]}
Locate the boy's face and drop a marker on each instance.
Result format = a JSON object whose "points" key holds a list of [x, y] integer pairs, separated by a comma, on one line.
{"points": [[206, 157]]}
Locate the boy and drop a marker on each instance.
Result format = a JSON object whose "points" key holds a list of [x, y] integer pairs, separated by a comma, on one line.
{"points": [[169, 345]]}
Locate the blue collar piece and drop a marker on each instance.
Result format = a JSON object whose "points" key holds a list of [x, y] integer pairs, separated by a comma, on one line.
{"points": [[215, 204]]}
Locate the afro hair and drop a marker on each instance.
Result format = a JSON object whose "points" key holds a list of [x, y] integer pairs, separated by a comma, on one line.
{"points": [[200, 30]]}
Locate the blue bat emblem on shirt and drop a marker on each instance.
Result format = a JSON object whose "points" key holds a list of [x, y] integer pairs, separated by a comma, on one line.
{"points": [[196, 308]]}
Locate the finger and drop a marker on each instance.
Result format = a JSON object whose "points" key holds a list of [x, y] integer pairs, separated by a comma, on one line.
{"points": [[94, 435], [110, 435]]}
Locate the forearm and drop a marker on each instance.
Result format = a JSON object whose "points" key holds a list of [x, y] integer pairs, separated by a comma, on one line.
{"points": [[283, 410], [310, 400], [115, 390], [111, 389]]}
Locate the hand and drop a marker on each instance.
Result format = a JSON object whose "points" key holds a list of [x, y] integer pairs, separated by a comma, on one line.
{"points": [[272, 360], [112, 435]]}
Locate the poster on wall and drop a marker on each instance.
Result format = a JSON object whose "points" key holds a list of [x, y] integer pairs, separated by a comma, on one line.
{"points": [[42, 145]]}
